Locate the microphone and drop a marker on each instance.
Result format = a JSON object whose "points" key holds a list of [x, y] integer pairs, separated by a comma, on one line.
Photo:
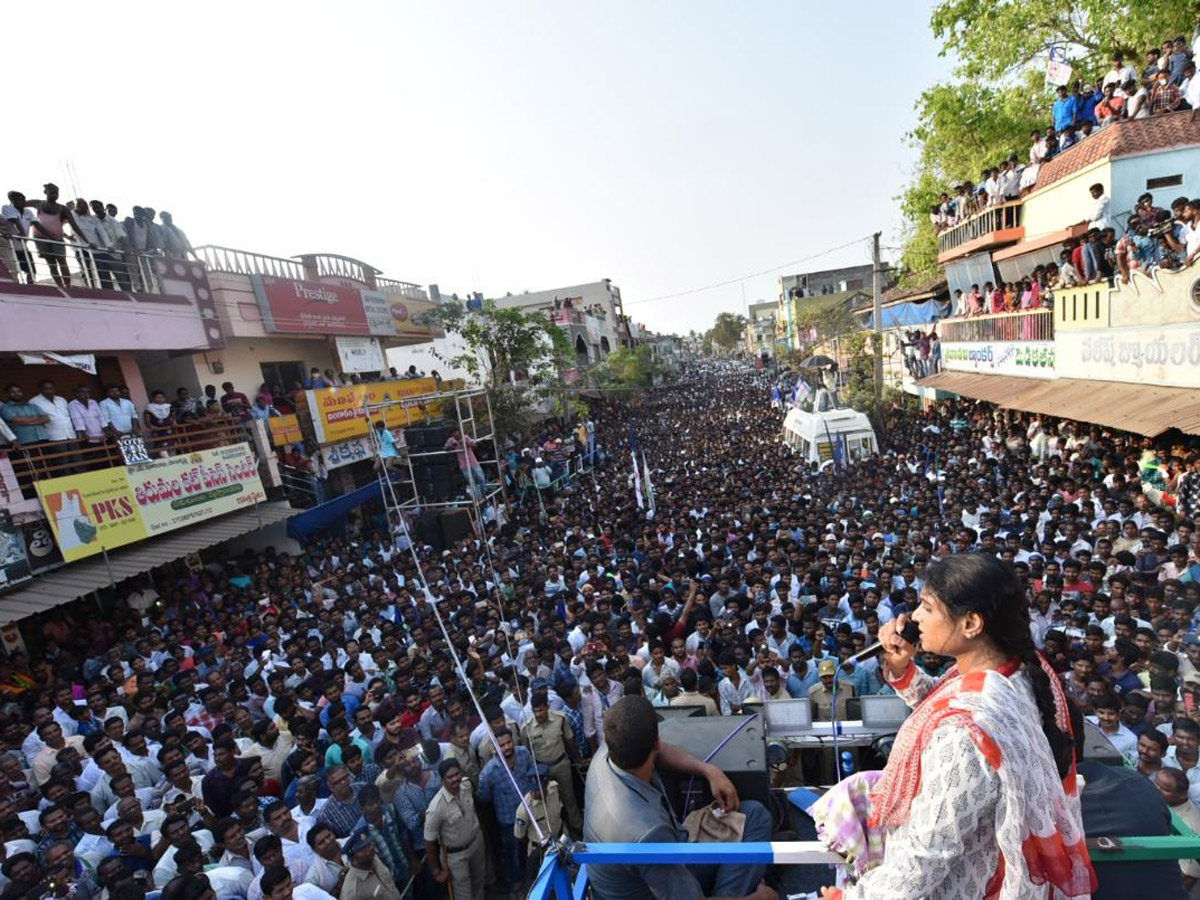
{"points": [[911, 633]]}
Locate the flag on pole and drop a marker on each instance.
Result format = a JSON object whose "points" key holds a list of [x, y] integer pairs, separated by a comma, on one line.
{"points": [[637, 474], [649, 485]]}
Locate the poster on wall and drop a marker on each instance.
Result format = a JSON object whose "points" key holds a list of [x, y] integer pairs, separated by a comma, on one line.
{"points": [[96, 511], [14, 559], [378, 308], [40, 548], [359, 354]]}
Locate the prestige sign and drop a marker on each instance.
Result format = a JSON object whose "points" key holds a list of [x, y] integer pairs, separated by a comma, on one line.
{"points": [[1029, 359], [96, 511], [309, 307]]}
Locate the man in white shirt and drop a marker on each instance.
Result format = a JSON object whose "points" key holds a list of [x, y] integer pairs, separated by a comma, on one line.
{"points": [[1192, 236], [120, 415], [19, 219], [1098, 218], [59, 428], [1119, 73]]}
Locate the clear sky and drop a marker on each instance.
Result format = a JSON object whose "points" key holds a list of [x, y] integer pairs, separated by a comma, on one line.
{"points": [[488, 146]]}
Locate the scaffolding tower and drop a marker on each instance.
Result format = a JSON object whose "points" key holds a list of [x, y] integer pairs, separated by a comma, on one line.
{"points": [[404, 493]]}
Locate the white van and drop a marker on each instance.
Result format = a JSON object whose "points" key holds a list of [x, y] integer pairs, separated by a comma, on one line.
{"points": [[815, 429]]}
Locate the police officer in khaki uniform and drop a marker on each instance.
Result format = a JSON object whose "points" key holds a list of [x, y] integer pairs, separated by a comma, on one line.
{"points": [[460, 749], [451, 823], [548, 736]]}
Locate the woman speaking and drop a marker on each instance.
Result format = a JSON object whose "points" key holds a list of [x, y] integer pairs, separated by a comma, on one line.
{"points": [[978, 799]]}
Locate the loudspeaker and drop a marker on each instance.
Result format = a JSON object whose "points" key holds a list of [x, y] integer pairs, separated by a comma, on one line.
{"points": [[743, 758], [432, 436], [432, 482], [456, 525], [429, 530]]}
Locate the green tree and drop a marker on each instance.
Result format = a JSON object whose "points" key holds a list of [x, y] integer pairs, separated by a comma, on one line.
{"points": [[999, 93], [625, 371], [991, 40], [516, 355], [817, 323], [728, 331]]}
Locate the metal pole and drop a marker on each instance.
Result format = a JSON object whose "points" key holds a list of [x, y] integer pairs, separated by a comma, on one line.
{"points": [[108, 567], [877, 291]]}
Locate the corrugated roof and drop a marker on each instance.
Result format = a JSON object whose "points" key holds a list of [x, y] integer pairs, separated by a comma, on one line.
{"points": [[74, 580], [1141, 408], [918, 290], [1161, 132], [822, 302]]}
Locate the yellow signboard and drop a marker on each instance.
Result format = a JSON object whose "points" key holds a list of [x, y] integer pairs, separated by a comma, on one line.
{"points": [[338, 414], [285, 430], [103, 510]]}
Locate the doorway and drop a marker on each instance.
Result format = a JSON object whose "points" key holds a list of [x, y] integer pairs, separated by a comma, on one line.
{"points": [[281, 374]]}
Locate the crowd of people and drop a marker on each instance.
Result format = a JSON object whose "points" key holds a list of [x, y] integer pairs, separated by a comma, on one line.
{"points": [[315, 724], [114, 246], [1165, 84], [1154, 239]]}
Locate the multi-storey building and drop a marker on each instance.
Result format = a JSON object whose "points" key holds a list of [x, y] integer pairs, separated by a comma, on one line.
{"points": [[85, 509], [1126, 356], [591, 313], [760, 329]]}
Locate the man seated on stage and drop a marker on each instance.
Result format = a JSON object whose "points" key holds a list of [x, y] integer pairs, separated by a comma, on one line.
{"points": [[625, 803]]}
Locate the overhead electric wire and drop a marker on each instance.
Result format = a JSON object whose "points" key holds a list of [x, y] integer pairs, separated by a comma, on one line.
{"points": [[731, 281]]}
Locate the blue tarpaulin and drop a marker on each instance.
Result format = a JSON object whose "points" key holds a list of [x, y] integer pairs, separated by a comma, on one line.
{"points": [[917, 312], [303, 526]]}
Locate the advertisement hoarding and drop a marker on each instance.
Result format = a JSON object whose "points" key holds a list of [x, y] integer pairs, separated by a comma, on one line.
{"points": [[1029, 359], [338, 415], [95, 511], [309, 307]]}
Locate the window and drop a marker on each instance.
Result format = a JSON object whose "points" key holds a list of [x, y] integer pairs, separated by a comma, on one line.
{"points": [[1164, 182]]}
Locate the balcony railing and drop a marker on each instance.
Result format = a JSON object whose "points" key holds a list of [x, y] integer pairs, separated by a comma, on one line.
{"points": [[1021, 325], [78, 265], [240, 262], [405, 289], [1003, 217], [332, 265], [566, 317], [54, 459]]}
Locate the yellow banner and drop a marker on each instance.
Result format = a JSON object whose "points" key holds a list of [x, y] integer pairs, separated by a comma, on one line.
{"points": [[338, 415], [103, 510], [285, 430]]}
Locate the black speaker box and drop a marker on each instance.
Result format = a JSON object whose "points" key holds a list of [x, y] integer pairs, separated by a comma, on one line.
{"points": [[429, 530], [456, 525], [432, 436], [743, 758], [432, 483]]}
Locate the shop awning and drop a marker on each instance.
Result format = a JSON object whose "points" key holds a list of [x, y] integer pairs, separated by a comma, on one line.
{"points": [[77, 579], [1141, 408]]}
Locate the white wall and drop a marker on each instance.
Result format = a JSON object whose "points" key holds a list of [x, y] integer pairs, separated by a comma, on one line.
{"points": [[425, 356], [1130, 174]]}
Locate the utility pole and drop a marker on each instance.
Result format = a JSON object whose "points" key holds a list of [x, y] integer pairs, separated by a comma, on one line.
{"points": [[877, 292]]}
